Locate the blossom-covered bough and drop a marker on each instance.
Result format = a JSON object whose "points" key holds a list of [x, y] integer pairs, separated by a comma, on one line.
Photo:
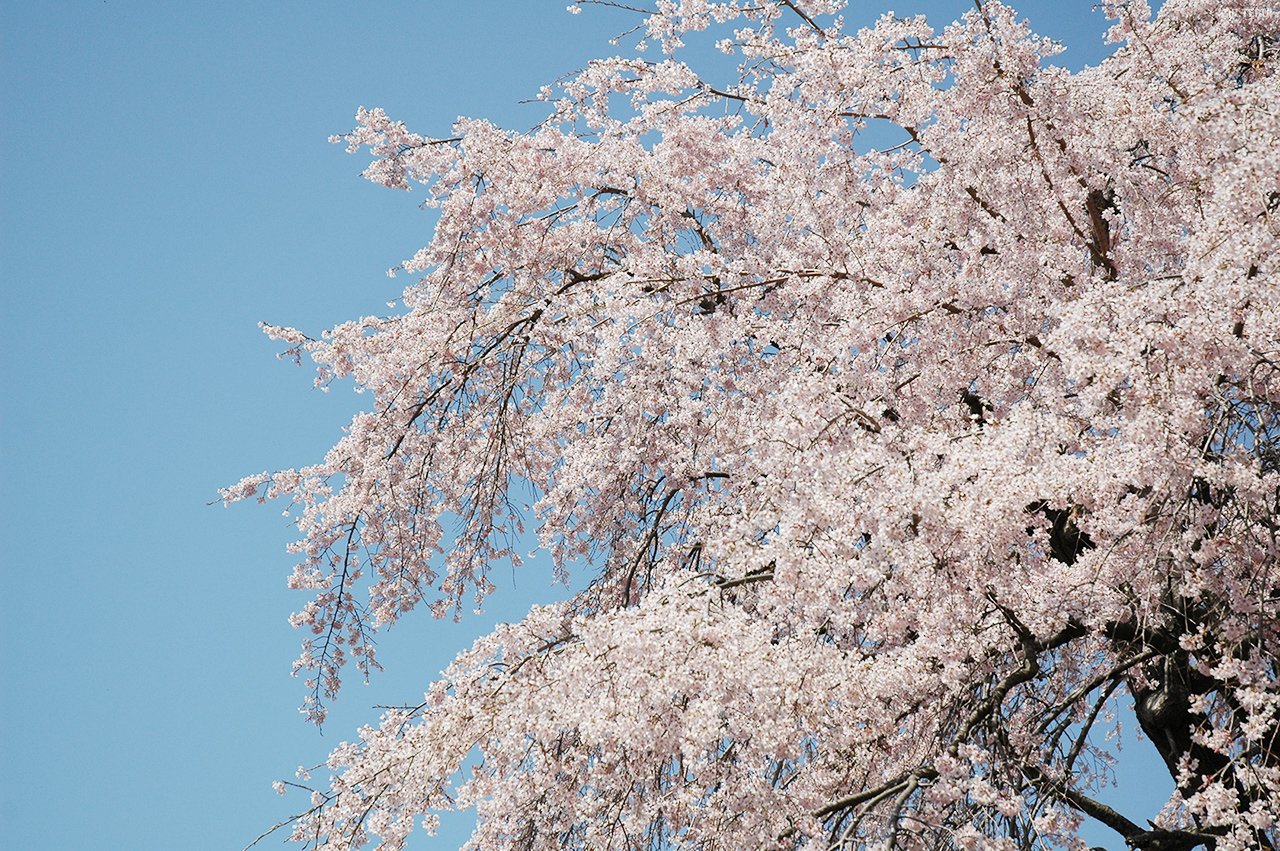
{"points": [[897, 470]]}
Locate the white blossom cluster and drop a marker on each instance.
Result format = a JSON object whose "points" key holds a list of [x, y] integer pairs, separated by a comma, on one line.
{"points": [[897, 469]]}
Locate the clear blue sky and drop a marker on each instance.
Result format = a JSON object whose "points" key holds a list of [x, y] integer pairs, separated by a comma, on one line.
{"points": [[165, 183]]}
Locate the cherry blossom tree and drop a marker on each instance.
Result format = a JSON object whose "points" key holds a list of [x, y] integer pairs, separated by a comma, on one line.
{"points": [[897, 469]]}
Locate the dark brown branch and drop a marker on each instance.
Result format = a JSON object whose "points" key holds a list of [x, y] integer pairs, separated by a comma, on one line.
{"points": [[744, 580], [651, 541], [1092, 684], [1083, 803], [925, 772], [986, 208], [808, 20], [1089, 721], [1155, 839]]}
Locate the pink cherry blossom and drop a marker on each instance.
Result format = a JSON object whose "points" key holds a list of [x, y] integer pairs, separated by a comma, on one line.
{"points": [[898, 465]]}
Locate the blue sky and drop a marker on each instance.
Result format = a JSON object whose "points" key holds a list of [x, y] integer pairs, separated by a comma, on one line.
{"points": [[165, 184]]}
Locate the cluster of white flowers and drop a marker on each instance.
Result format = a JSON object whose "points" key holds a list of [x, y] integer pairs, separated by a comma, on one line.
{"points": [[896, 468]]}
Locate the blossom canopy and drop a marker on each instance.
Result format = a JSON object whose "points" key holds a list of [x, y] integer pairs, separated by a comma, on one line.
{"points": [[895, 468]]}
